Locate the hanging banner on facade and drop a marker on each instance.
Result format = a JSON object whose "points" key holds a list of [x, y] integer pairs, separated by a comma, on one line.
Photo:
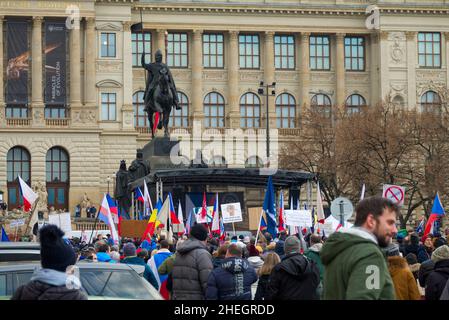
{"points": [[55, 62], [18, 59]]}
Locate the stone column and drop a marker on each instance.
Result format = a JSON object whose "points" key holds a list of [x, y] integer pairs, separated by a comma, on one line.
{"points": [[89, 69], [127, 107], [340, 70], [412, 63], [197, 76], [374, 74], [269, 78], [305, 70], [160, 43], [75, 70], [446, 63], [2, 91], [233, 114], [384, 74], [37, 103]]}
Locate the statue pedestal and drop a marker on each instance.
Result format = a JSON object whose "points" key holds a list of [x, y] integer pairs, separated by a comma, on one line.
{"points": [[162, 153]]}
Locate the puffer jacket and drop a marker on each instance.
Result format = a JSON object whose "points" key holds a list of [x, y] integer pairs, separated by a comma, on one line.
{"points": [[232, 281], [294, 278], [191, 270], [436, 281], [36, 290]]}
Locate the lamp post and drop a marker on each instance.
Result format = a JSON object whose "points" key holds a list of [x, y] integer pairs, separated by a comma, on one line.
{"points": [[264, 90], [108, 179]]}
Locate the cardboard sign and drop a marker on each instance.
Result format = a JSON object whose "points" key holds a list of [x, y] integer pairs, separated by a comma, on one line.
{"points": [[62, 220], [231, 212], [254, 217], [17, 223], [298, 218], [133, 228]]}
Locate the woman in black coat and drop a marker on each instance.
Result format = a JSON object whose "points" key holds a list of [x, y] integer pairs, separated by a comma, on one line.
{"points": [[437, 279]]}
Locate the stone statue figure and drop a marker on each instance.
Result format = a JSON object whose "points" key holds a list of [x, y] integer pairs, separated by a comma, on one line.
{"points": [[160, 92], [41, 191], [139, 168], [84, 205], [122, 193]]}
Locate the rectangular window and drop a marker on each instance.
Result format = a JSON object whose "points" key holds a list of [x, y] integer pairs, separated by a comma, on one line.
{"points": [[284, 52], [55, 112], [16, 111], [107, 45], [108, 106], [355, 53], [177, 50], [429, 49], [319, 53], [249, 51], [141, 43], [213, 51]]}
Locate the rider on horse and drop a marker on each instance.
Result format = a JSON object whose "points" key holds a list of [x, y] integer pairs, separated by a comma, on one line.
{"points": [[154, 72]]}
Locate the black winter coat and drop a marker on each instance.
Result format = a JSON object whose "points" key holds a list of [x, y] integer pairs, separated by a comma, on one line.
{"points": [[436, 281], [261, 287], [231, 281], [294, 278], [36, 290]]}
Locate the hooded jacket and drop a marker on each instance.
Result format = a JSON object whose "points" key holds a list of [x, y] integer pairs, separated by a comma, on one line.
{"points": [[294, 278], [405, 285], [436, 281], [48, 284], [231, 281], [191, 270], [355, 267], [313, 253]]}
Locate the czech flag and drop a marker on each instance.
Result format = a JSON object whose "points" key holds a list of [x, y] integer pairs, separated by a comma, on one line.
{"points": [[436, 213], [29, 196], [173, 216], [113, 208], [281, 226], [222, 230], [139, 196], [4, 236]]}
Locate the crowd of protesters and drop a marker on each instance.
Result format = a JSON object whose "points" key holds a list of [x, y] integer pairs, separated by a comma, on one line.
{"points": [[295, 267]]}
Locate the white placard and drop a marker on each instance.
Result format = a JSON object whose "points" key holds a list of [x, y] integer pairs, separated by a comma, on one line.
{"points": [[298, 218], [395, 193], [207, 218], [17, 223], [231, 212], [62, 220]]}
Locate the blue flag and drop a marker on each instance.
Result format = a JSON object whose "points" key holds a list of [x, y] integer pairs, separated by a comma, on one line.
{"points": [[269, 208], [4, 236]]}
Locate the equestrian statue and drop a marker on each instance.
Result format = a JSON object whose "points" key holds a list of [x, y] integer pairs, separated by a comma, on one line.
{"points": [[160, 93]]}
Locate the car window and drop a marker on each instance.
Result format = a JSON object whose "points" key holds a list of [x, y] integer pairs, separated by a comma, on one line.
{"points": [[124, 284], [21, 278], [3, 285], [93, 281]]}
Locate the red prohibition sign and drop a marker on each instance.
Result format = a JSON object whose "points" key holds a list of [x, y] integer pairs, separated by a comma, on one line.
{"points": [[392, 195]]}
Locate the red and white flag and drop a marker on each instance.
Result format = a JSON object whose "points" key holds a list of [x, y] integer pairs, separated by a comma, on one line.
{"points": [[204, 207], [281, 226], [29, 196]]}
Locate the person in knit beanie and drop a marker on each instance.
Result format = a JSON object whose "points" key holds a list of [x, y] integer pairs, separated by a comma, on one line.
{"points": [[439, 276], [53, 281]]}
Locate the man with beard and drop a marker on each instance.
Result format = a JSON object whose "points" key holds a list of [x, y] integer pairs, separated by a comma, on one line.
{"points": [[355, 266]]}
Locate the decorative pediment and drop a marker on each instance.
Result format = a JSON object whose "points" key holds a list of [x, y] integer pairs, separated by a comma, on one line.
{"points": [[108, 27], [108, 83]]}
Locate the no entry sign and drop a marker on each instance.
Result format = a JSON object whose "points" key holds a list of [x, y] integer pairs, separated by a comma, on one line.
{"points": [[394, 193]]}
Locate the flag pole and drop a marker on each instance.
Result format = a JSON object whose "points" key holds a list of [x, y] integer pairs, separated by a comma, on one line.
{"points": [[258, 227], [233, 228], [95, 226]]}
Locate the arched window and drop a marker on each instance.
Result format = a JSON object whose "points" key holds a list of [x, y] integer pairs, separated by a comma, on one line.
{"points": [[140, 116], [249, 111], [180, 118], [355, 103], [214, 110], [57, 177], [285, 111], [431, 102], [398, 101], [322, 104], [18, 163], [253, 162]]}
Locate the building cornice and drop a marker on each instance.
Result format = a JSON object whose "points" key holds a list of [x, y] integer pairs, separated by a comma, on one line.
{"points": [[348, 10]]}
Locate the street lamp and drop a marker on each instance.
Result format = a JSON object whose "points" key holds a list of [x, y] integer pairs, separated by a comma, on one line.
{"points": [[108, 179], [264, 90]]}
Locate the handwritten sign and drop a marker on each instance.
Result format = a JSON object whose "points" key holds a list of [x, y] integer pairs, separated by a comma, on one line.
{"points": [[298, 218]]}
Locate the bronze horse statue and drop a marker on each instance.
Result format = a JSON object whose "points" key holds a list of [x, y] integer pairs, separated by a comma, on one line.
{"points": [[160, 94]]}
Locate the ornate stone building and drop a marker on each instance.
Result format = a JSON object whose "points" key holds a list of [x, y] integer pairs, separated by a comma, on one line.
{"points": [[320, 53]]}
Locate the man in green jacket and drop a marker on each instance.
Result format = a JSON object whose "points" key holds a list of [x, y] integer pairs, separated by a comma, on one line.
{"points": [[355, 266]]}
